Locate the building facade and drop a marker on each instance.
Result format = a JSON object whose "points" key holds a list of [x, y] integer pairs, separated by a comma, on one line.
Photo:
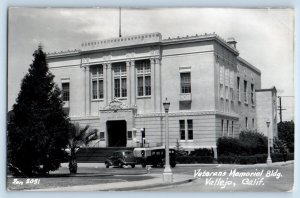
{"points": [[118, 86]]}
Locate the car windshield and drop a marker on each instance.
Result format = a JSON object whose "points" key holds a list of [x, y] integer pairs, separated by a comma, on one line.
{"points": [[128, 153]]}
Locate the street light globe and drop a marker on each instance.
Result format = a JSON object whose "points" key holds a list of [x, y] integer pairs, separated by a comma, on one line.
{"points": [[166, 105], [268, 123]]}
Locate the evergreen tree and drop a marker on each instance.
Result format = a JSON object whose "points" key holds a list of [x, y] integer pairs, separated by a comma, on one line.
{"points": [[38, 126]]}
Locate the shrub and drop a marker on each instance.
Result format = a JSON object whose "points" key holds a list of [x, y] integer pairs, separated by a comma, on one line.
{"points": [[286, 133], [202, 152], [253, 142], [227, 145], [194, 159], [228, 159]]}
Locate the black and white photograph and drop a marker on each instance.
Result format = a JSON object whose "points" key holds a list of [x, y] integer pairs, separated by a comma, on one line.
{"points": [[150, 99]]}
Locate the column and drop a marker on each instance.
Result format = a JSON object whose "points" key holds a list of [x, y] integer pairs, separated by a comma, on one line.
{"points": [[157, 88], [153, 88], [132, 83], [128, 71], [108, 83], [87, 91], [105, 83]]}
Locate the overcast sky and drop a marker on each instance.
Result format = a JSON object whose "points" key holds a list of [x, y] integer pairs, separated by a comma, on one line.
{"points": [[265, 36]]}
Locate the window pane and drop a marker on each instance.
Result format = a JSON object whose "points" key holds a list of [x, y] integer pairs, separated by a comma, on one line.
{"points": [[245, 91], [182, 129], [185, 82], [124, 87], [190, 129], [101, 135], [129, 135], [100, 88], [148, 85], [238, 88], [94, 88], [66, 91], [140, 86], [117, 88]]}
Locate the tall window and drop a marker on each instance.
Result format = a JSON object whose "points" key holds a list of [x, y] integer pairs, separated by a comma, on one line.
{"points": [[185, 79], [227, 127], [221, 90], [246, 122], [120, 80], [222, 127], [97, 81], [226, 93], [143, 78], [232, 125], [252, 93], [66, 91], [245, 92], [182, 129], [253, 123], [238, 89], [190, 129]]}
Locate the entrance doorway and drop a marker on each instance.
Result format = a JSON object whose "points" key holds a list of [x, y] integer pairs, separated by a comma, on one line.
{"points": [[116, 131]]}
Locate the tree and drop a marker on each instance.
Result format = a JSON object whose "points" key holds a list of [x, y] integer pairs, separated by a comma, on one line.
{"points": [[179, 150], [286, 133], [38, 126], [78, 137]]}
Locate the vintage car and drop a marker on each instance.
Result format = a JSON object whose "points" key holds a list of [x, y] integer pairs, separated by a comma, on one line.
{"points": [[154, 156], [120, 159]]}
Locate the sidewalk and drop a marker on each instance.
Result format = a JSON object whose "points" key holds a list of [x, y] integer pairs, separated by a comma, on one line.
{"points": [[124, 186], [101, 165]]}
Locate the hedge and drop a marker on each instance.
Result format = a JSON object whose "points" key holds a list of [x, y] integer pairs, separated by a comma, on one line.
{"points": [[253, 159], [194, 159]]}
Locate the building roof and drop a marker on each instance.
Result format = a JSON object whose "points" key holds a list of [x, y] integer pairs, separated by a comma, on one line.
{"points": [[249, 65], [140, 40]]}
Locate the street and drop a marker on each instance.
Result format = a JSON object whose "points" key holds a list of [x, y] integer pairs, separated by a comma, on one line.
{"points": [[228, 178]]}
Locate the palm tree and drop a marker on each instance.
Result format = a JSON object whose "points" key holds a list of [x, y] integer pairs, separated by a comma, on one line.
{"points": [[78, 137]]}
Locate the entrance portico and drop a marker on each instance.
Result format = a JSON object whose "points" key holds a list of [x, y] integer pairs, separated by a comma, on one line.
{"points": [[117, 121]]}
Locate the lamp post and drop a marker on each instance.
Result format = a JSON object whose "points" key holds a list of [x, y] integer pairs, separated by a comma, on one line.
{"points": [[269, 160], [167, 175]]}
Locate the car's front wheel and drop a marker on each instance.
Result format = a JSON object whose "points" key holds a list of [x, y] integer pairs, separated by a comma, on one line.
{"points": [[120, 165], [133, 165], [106, 165]]}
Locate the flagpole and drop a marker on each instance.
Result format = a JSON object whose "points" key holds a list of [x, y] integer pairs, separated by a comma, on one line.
{"points": [[120, 22]]}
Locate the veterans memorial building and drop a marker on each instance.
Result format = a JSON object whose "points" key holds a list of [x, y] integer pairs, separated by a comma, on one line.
{"points": [[118, 86]]}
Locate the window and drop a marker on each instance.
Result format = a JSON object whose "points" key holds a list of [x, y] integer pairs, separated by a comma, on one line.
{"points": [[252, 93], [231, 94], [253, 123], [190, 129], [226, 93], [238, 89], [222, 127], [120, 80], [97, 81], [227, 127], [185, 79], [143, 69], [232, 125], [66, 91], [102, 136], [129, 135], [245, 92], [246, 122], [221, 90], [182, 129]]}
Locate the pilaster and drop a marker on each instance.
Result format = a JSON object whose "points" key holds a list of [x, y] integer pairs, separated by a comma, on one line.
{"points": [[132, 83], [87, 91], [129, 76]]}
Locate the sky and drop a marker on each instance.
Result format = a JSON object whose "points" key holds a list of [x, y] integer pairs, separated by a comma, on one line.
{"points": [[265, 36]]}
